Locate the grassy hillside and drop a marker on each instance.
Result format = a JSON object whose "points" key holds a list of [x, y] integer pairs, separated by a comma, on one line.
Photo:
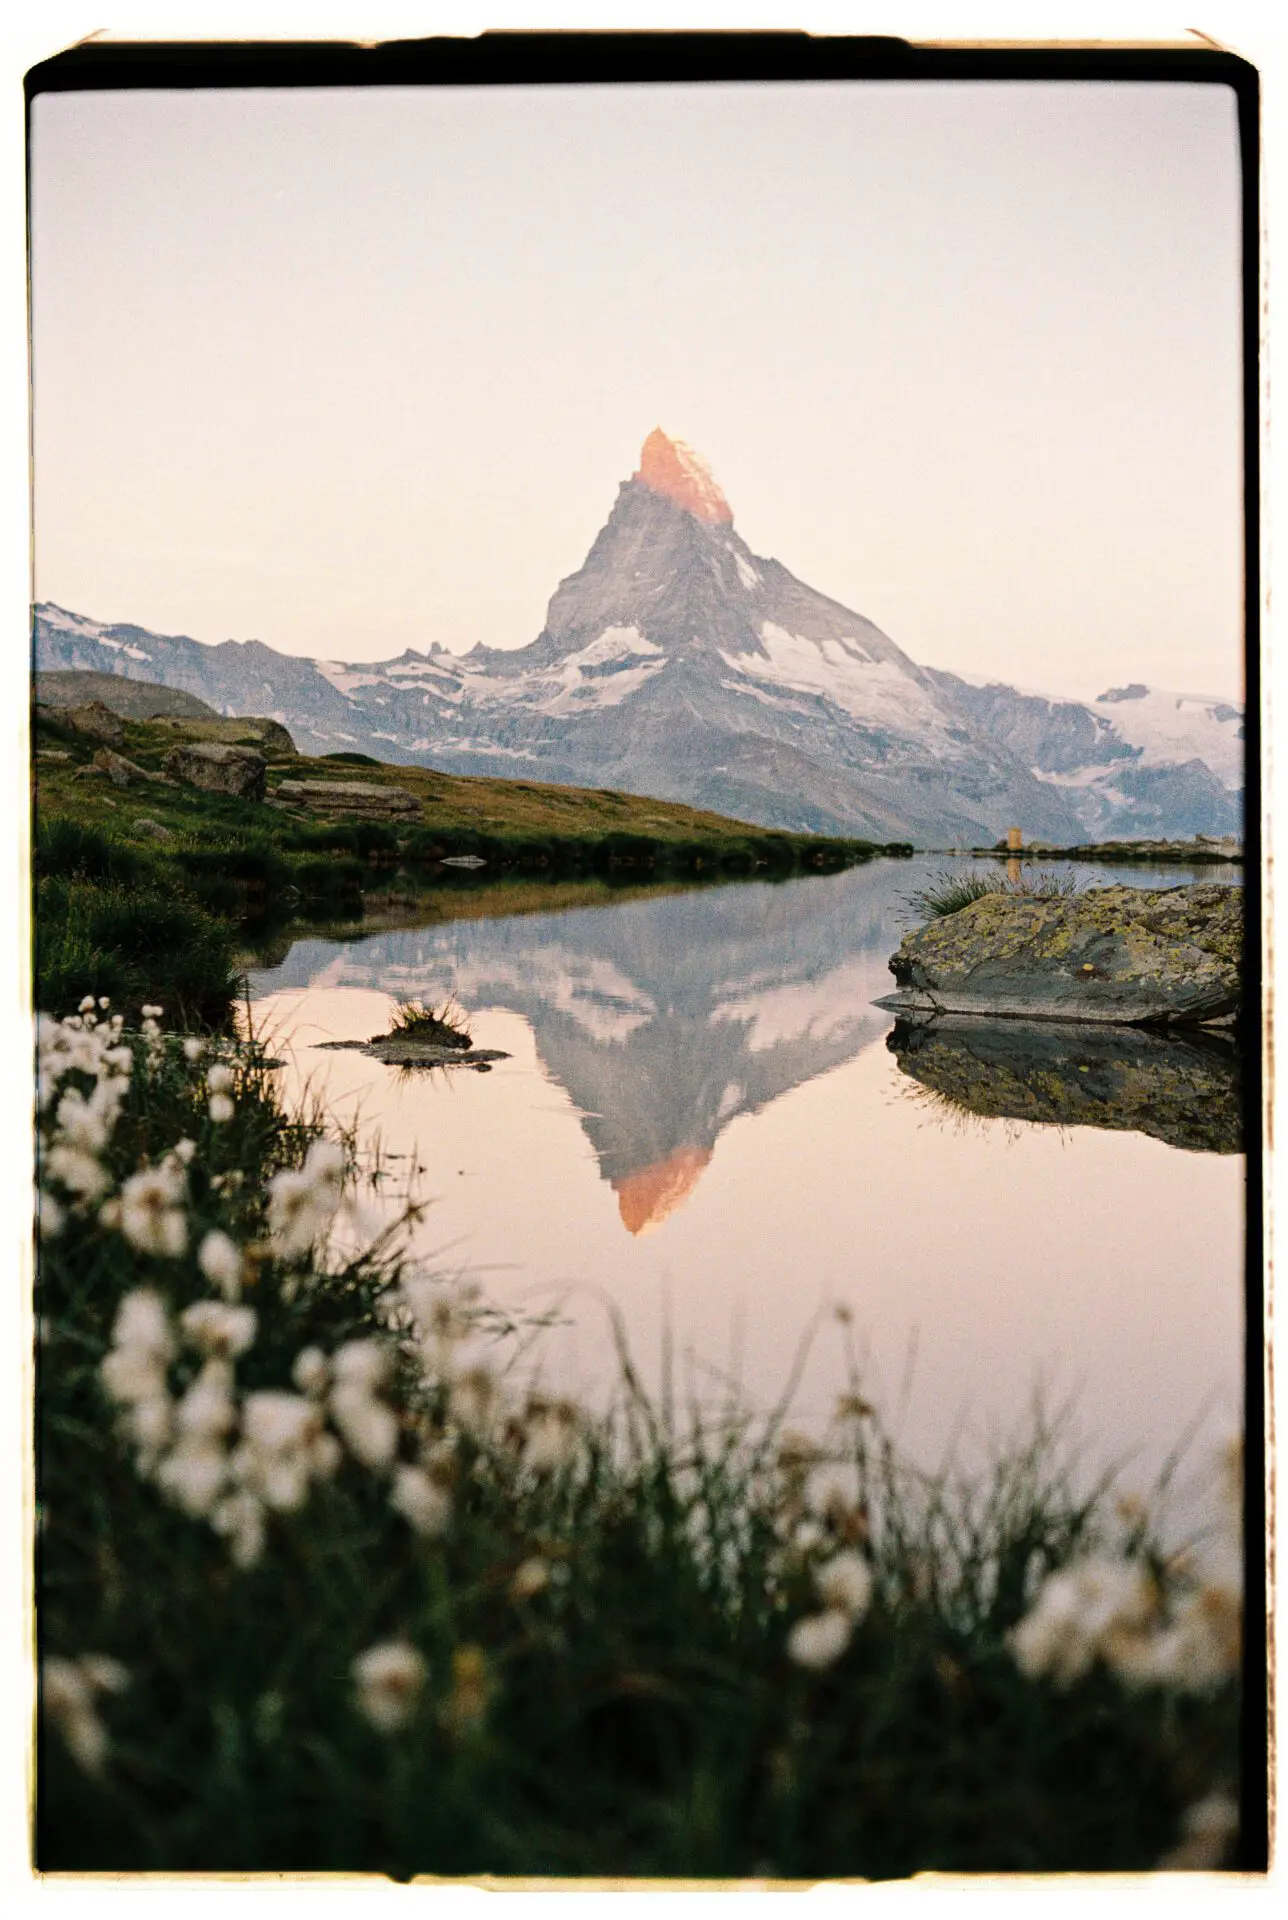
{"points": [[132, 879]]}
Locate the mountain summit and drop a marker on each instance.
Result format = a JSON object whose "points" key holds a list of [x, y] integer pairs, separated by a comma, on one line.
{"points": [[673, 469], [678, 663]]}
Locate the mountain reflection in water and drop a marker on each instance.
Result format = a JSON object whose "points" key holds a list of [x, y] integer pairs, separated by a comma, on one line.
{"points": [[665, 1019], [702, 1129], [668, 1017]]}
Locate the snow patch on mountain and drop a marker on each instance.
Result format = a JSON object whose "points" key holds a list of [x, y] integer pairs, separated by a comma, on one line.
{"points": [[1170, 728]]}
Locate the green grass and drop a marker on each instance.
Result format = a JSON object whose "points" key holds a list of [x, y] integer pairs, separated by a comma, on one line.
{"points": [[444, 1025], [638, 1712], [949, 892]]}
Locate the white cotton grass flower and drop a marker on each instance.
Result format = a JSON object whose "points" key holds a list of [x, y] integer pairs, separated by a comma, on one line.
{"points": [[152, 1216], [219, 1078], [87, 1004], [367, 1426], [208, 1410], [311, 1370], [149, 1423], [142, 1323], [360, 1363], [215, 1327], [530, 1577], [193, 1475], [221, 1108], [193, 1048], [50, 1217], [132, 1373], [68, 1690], [1080, 1614], [239, 1517], [551, 1437], [844, 1584], [182, 1151], [80, 1172], [473, 1398], [389, 1680], [277, 1422], [424, 1504], [303, 1203], [819, 1639], [221, 1262]]}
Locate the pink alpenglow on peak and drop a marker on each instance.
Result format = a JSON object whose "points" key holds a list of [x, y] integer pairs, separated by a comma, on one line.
{"points": [[671, 468]]}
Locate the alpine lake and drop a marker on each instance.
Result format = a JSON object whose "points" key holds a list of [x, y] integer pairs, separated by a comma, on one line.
{"points": [[705, 1140]]}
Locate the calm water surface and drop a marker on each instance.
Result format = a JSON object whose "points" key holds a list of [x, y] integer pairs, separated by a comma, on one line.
{"points": [[702, 1124]]}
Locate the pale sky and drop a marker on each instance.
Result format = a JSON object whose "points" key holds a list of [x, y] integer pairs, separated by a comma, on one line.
{"points": [[347, 371]]}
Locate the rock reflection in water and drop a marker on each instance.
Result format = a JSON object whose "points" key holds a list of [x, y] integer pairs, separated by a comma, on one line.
{"points": [[1185, 1091]]}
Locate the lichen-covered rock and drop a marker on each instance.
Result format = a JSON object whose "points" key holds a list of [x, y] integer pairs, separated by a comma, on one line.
{"points": [[219, 769], [362, 797], [1116, 955], [1183, 1091]]}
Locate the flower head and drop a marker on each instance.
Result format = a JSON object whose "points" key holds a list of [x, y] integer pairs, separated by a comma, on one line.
{"points": [[844, 1583], [152, 1216], [220, 1260], [424, 1504], [819, 1639], [389, 1680], [217, 1328]]}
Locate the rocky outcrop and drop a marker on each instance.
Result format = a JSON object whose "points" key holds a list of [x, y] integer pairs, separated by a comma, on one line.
{"points": [[361, 797], [243, 731], [1183, 1091], [94, 720], [1111, 956], [219, 769]]}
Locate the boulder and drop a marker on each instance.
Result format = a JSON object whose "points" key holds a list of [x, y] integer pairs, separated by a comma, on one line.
{"points": [[1183, 1090], [95, 721], [219, 769], [349, 796], [120, 771], [1133, 956]]}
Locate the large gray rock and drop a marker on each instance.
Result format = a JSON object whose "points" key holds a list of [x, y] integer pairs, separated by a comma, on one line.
{"points": [[1113, 955], [219, 769], [1183, 1091], [362, 797], [95, 721]]}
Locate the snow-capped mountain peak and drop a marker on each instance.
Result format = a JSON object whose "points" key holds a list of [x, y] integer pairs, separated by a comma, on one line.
{"points": [[672, 468]]}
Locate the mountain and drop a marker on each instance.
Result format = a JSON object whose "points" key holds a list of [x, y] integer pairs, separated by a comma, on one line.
{"points": [[675, 662], [1137, 763]]}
